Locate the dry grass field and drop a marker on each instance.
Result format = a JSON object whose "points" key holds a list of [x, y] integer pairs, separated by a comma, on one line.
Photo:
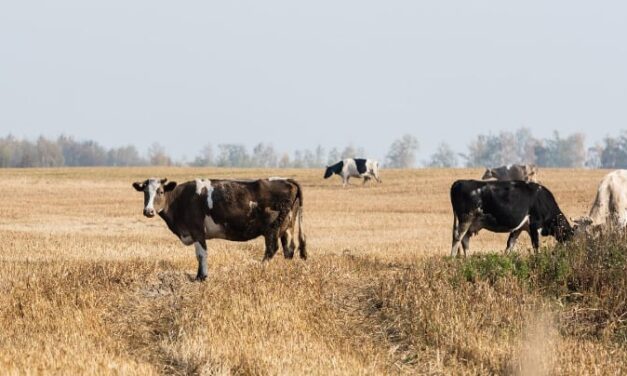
{"points": [[90, 286]]}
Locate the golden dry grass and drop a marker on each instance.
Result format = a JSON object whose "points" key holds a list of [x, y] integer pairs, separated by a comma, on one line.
{"points": [[88, 285]]}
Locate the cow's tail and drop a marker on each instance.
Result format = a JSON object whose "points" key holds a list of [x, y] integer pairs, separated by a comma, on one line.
{"points": [[302, 241]]}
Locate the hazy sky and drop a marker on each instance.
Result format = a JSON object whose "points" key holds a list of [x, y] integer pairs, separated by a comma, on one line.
{"points": [[297, 74]]}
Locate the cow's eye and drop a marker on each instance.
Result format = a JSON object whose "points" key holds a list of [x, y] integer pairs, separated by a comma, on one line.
{"points": [[160, 192]]}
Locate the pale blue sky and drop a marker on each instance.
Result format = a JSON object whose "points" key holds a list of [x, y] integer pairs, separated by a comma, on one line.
{"points": [[297, 74]]}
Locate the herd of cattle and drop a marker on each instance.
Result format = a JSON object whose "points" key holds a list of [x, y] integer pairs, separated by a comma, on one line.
{"points": [[508, 199]]}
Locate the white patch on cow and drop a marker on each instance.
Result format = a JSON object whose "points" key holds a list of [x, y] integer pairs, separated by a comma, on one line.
{"points": [[509, 166], [350, 168], [213, 230], [476, 192], [186, 239], [252, 204], [372, 169], [524, 222], [205, 183], [273, 178]]}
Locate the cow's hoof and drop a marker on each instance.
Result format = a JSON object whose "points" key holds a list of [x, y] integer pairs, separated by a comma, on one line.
{"points": [[201, 278]]}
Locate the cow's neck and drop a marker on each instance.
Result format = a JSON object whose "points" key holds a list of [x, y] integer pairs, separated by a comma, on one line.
{"points": [[167, 214]]}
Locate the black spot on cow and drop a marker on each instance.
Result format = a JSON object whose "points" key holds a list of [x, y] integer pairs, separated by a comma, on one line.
{"points": [[361, 165]]}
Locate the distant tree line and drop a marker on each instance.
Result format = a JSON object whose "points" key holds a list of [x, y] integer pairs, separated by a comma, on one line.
{"points": [[66, 151], [519, 146]]}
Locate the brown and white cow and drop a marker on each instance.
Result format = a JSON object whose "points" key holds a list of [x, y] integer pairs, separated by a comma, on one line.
{"points": [[512, 172], [609, 210], [237, 210]]}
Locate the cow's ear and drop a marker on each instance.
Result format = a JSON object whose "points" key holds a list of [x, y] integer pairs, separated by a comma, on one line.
{"points": [[139, 186], [170, 186], [164, 180]]}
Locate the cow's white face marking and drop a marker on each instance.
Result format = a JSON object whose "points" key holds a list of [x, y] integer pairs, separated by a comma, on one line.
{"points": [[273, 178], [153, 185], [205, 183], [252, 204]]}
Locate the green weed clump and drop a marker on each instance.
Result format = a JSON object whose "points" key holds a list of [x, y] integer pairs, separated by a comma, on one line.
{"points": [[587, 276]]}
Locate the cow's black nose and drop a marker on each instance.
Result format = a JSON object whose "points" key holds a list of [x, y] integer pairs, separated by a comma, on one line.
{"points": [[149, 212]]}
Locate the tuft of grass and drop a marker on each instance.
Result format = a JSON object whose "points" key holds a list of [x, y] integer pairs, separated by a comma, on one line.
{"points": [[587, 276], [493, 266]]}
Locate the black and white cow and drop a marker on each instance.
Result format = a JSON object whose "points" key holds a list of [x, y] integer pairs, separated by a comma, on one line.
{"points": [[354, 167], [505, 206], [512, 172], [228, 209]]}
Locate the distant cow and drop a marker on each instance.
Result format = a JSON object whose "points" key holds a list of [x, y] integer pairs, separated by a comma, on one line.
{"points": [[354, 167], [501, 206], [228, 209], [512, 172], [609, 209]]}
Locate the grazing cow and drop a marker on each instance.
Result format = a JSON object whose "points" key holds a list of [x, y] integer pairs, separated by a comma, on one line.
{"points": [[512, 172], [354, 167], [228, 209], [609, 209], [505, 206]]}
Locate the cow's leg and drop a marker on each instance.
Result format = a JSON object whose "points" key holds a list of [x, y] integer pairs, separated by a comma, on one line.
{"points": [[535, 237], [302, 247], [466, 243], [201, 256], [511, 241], [272, 245], [287, 242], [460, 228], [366, 178]]}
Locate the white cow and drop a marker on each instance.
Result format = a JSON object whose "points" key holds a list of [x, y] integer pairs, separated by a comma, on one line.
{"points": [[609, 209]]}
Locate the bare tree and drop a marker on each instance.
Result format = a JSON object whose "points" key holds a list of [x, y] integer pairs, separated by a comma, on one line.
{"points": [[125, 156], [402, 152], [205, 158], [233, 155], [443, 157], [349, 152], [264, 156], [333, 157], [158, 155]]}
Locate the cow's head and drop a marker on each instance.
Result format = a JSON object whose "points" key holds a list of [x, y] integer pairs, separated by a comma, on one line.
{"points": [[561, 229], [531, 172], [154, 194], [488, 174], [329, 171], [583, 225]]}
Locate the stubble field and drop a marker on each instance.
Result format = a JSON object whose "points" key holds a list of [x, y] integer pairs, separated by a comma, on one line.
{"points": [[88, 285]]}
